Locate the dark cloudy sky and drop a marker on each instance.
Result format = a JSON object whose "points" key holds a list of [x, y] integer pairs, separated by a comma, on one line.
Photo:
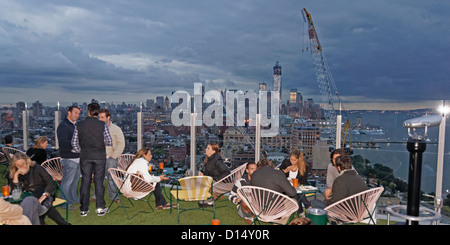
{"points": [[378, 51]]}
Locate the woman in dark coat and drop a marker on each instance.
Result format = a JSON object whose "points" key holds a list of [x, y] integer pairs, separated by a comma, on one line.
{"points": [[37, 152], [214, 165], [31, 177]]}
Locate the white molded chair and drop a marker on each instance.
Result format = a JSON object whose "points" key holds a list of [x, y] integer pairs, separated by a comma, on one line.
{"points": [[355, 208], [225, 184], [131, 186], [124, 160], [9, 153], [54, 167], [267, 205]]}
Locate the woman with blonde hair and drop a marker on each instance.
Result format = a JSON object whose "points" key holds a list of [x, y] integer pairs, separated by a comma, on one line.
{"points": [[31, 177], [37, 152], [139, 166], [295, 167]]}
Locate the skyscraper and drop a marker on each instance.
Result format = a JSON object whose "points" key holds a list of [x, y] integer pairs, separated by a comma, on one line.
{"points": [[262, 87], [277, 80], [295, 98], [37, 109]]}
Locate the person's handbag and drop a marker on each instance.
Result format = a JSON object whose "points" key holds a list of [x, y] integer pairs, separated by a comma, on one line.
{"points": [[45, 205]]}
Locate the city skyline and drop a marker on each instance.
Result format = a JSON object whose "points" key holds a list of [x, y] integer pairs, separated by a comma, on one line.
{"points": [[379, 53]]}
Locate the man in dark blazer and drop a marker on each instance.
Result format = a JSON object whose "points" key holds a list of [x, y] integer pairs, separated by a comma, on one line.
{"points": [[267, 177], [347, 183]]}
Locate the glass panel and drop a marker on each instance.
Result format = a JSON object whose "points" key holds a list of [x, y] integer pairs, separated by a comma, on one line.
{"points": [[377, 138]]}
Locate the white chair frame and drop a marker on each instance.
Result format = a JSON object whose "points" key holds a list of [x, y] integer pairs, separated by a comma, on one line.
{"points": [[355, 208]]}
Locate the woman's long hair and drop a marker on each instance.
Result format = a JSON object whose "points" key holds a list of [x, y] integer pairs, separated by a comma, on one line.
{"points": [[215, 147], [263, 163], [19, 156], [39, 141], [301, 160], [142, 152]]}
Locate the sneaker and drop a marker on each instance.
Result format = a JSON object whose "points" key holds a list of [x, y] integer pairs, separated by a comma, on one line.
{"points": [[204, 205], [167, 206], [102, 211], [84, 213], [248, 220]]}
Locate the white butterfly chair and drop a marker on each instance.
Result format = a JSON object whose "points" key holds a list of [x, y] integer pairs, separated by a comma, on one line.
{"points": [[124, 160], [54, 167], [355, 208], [4, 161], [225, 184], [131, 186], [194, 188], [267, 205], [9, 153]]}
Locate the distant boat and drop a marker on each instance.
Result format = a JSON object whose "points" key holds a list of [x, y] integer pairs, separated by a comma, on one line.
{"points": [[372, 131]]}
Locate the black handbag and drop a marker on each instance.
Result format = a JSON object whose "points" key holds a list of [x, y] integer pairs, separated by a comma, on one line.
{"points": [[46, 204]]}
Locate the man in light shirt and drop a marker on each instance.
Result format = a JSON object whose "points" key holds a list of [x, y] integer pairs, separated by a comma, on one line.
{"points": [[112, 152]]}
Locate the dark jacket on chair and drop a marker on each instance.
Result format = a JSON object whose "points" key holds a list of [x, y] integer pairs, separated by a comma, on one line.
{"points": [[215, 168], [345, 185], [270, 178]]}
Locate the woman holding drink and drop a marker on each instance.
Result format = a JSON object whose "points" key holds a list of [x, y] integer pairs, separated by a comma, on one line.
{"points": [[295, 169]]}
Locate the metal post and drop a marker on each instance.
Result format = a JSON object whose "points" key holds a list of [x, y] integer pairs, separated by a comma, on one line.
{"points": [[57, 119], [139, 131], [339, 128], [193, 144], [416, 147], [258, 138], [25, 128], [338, 131], [438, 201]]}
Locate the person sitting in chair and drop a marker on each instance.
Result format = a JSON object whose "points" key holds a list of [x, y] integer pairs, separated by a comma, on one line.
{"points": [[346, 184], [139, 166], [243, 211]]}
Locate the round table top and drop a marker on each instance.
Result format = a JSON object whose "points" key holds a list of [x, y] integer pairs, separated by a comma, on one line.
{"points": [[425, 214]]}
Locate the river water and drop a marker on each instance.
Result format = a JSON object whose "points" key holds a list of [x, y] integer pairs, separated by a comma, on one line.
{"points": [[395, 155]]}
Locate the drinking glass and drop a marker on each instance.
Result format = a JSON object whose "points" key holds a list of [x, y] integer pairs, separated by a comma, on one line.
{"points": [[5, 190], [16, 193], [295, 182]]}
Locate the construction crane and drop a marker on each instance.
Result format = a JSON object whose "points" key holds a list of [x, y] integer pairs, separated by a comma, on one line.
{"points": [[324, 78], [345, 132]]}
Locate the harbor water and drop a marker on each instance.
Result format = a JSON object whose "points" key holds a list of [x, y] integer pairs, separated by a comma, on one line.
{"points": [[391, 149]]}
